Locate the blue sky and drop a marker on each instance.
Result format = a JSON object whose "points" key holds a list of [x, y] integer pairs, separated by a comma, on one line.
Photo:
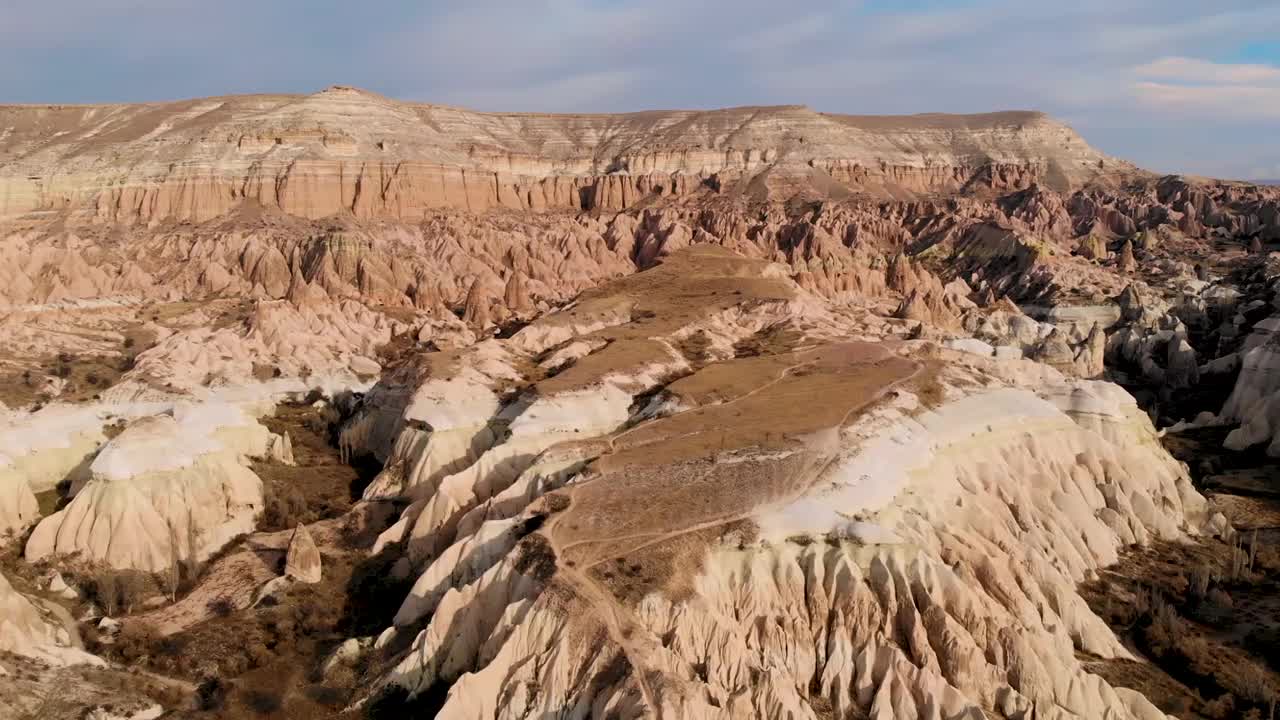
{"points": [[1175, 85]]}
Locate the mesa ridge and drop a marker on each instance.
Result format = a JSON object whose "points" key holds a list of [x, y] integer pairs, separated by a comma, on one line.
{"points": [[375, 406]]}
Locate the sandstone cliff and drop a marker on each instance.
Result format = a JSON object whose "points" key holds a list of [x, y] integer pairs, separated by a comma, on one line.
{"points": [[348, 151]]}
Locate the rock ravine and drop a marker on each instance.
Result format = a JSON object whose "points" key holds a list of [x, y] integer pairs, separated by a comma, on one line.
{"points": [[336, 405]]}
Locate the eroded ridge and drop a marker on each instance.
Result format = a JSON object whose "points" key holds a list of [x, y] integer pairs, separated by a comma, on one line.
{"points": [[373, 406], [809, 526]]}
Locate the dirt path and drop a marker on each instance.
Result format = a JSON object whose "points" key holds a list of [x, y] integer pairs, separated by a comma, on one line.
{"points": [[618, 619], [781, 376], [831, 457]]}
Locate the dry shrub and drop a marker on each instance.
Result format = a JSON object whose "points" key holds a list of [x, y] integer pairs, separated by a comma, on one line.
{"points": [[556, 502], [1220, 599], [1251, 682], [136, 641], [1166, 630], [211, 694], [1172, 639], [1201, 578], [263, 702], [284, 507], [1223, 708], [118, 591], [696, 347], [1267, 559], [221, 607], [341, 676]]}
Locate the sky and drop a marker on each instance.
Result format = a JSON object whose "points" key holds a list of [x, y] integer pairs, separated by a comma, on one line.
{"points": [[1173, 85]]}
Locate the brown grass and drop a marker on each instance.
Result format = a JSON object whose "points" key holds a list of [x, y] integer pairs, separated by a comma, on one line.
{"points": [[86, 377], [660, 301], [319, 485], [672, 486], [1206, 625]]}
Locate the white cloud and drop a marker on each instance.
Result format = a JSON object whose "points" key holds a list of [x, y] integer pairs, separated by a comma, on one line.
{"points": [[785, 36], [1192, 70], [40, 24], [1209, 90], [1244, 102]]}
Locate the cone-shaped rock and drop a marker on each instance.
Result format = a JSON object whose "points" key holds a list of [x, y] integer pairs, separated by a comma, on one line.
{"points": [[1182, 369], [516, 295], [1131, 302], [1127, 262], [476, 311], [302, 562], [913, 307], [1093, 247], [304, 294], [1091, 355], [899, 275]]}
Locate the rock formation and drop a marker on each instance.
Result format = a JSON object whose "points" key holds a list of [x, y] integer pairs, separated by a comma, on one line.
{"points": [[353, 151], [1126, 263], [30, 627], [170, 487], [302, 562], [757, 412], [738, 509]]}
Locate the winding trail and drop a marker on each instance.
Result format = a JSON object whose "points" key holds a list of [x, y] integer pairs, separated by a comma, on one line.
{"points": [[621, 624]]}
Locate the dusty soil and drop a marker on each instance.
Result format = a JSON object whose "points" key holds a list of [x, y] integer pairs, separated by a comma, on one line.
{"points": [[764, 403], [763, 433], [85, 378], [34, 691], [757, 440], [688, 285]]}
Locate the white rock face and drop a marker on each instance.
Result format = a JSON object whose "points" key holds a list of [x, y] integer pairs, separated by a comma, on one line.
{"points": [[1255, 399], [168, 486], [148, 712], [38, 451], [887, 530], [939, 582], [442, 424], [28, 628], [18, 506], [1072, 345]]}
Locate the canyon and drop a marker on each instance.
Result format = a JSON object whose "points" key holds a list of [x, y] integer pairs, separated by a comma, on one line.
{"points": [[336, 405]]}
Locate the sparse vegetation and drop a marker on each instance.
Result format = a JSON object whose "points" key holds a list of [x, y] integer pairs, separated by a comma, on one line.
{"points": [[118, 592], [284, 505], [211, 694], [1177, 605], [696, 347]]}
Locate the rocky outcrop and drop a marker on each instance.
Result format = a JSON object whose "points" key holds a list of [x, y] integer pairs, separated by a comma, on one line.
{"points": [[348, 151], [169, 488], [841, 540], [40, 451], [1255, 400], [1094, 247], [1126, 263], [31, 628], [754, 412], [302, 560]]}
